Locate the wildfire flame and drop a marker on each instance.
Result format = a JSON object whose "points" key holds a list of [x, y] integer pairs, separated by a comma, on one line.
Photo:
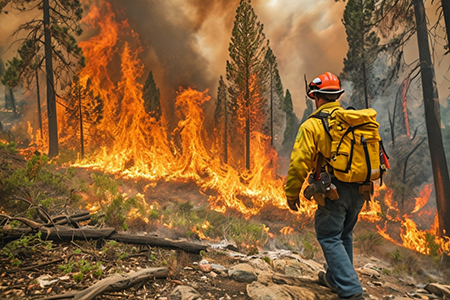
{"points": [[128, 142]]}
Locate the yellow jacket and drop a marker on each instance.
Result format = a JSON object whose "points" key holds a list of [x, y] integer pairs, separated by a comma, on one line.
{"points": [[311, 140]]}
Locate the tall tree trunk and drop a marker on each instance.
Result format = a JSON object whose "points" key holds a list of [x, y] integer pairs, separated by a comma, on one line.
{"points": [[363, 57], [446, 10], [271, 104], [38, 94], [225, 133], [51, 100], [13, 101], [247, 121], [81, 122], [433, 122]]}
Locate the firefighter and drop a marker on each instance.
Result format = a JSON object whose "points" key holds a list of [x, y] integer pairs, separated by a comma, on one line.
{"points": [[335, 220]]}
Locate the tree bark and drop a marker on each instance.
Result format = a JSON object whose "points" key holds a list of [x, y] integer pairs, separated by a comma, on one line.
{"points": [[225, 133], [446, 10], [38, 94], [81, 122], [51, 100], [433, 122]]}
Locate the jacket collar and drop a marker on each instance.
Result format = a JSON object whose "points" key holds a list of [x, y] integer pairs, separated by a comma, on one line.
{"points": [[328, 106]]}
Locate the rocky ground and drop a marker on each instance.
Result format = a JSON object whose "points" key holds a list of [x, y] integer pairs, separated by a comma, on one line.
{"points": [[49, 271], [34, 268]]}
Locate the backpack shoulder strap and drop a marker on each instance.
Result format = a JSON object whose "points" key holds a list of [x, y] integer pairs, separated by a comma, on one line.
{"points": [[324, 117]]}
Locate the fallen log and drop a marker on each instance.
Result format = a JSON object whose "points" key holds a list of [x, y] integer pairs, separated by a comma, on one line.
{"points": [[115, 283], [69, 234]]}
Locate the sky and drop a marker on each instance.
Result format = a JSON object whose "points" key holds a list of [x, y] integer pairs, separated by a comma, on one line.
{"points": [[186, 41]]}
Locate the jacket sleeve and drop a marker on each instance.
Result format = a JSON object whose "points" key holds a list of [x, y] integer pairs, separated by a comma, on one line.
{"points": [[302, 159]]}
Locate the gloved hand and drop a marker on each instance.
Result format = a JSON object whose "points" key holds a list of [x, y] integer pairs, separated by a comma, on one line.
{"points": [[293, 202]]}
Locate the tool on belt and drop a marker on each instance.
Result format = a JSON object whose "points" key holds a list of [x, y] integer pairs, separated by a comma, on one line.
{"points": [[320, 186]]}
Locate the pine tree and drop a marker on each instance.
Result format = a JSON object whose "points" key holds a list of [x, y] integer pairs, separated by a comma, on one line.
{"points": [[151, 95], [60, 53], [84, 110], [292, 124], [274, 93], [363, 44], [244, 72], [221, 120]]}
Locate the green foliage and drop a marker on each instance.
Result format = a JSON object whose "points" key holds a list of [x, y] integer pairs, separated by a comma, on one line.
{"points": [[103, 183], [432, 245], [292, 124], [115, 213], [309, 245], [367, 241], [396, 255], [77, 251], [67, 268], [9, 147], [78, 277], [63, 25], [35, 165], [251, 234], [266, 259], [82, 267], [26, 245]]}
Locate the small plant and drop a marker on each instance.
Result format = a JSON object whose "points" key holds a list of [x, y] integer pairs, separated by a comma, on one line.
{"points": [[266, 259], [27, 244], [386, 272], [10, 147], [396, 255], [252, 251], [67, 268], [78, 277], [309, 245], [123, 256], [77, 251], [367, 241]]}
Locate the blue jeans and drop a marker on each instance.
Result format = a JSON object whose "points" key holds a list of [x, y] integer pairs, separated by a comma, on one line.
{"points": [[334, 225]]}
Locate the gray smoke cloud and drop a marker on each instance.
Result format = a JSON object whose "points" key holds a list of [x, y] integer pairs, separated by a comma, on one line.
{"points": [[186, 42]]}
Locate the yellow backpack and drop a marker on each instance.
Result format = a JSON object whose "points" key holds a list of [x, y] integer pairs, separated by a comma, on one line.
{"points": [[357, 152]]}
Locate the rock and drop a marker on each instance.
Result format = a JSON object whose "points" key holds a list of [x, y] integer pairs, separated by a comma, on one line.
{"points": [[183, 292], [259, 291], [205, 266], [242, 273], [368, 272], [438, 289], [278, 265], [218, 268], [260, 265]]}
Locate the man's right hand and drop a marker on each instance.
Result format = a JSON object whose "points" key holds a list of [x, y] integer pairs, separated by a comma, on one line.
{"points": [[293, 203]]}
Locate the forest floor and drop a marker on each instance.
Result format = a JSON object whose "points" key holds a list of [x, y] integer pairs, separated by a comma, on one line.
{"points": [[35, 268]]}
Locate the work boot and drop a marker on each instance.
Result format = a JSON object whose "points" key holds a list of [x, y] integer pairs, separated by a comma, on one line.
{"points": [[324, 282], [354, 297]]}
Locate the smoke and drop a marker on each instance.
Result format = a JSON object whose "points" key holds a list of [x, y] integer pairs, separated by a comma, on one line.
{"points": [[186, 42]]}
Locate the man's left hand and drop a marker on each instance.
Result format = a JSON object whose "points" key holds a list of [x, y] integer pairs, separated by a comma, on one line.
{"points": [[293, 203]]}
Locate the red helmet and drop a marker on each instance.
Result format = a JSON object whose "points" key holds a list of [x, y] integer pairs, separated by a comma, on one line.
{"points": [[326, 83]]}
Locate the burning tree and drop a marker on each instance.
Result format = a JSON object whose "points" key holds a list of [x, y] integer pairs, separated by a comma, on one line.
{"points": [[151, 97], [221, 120], [50, 42], [244, 71]]}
